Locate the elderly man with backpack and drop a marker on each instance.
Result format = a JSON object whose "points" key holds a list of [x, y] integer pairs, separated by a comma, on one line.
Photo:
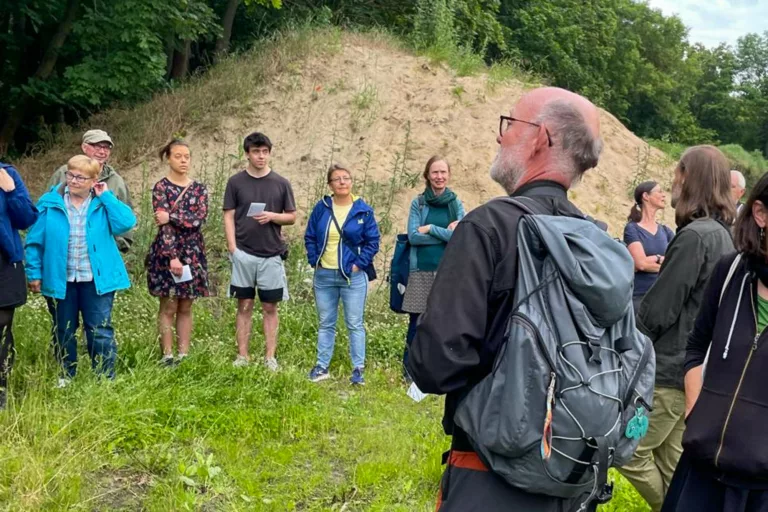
{"points": [[530, 332]]}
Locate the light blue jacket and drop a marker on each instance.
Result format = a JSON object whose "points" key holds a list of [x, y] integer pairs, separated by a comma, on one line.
{"points": [[417, 218], [47, 243]]}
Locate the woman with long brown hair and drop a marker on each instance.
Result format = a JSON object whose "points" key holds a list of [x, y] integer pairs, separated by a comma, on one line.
{"points": [[704, 212], [724, 466]]}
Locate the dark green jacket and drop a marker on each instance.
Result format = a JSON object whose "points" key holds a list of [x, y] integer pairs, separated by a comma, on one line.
{"points": [[669, 309], [115, 183]]}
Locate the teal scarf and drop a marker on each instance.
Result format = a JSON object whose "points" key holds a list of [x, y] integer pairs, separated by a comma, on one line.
{"points": [[447, 198]]}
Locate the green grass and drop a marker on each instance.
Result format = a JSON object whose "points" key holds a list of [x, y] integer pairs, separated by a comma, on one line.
{"points": [[207, 436], [279, 442]]}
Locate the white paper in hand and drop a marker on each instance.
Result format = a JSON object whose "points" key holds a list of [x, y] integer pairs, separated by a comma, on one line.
{"points": [[186, 275], [415, 393], [256, 208]]}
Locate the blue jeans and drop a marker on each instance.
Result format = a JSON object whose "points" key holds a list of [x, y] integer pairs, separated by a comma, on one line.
{"points": [[96, 310], [330, 286]]}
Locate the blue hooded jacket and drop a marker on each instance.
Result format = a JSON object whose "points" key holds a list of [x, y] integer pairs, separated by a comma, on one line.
{"points": [[48, 243], [16, 213], [360, 235]]}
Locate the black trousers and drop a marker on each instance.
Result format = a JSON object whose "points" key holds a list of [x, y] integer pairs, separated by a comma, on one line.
{"points": [[7, 350], [696, 489]]}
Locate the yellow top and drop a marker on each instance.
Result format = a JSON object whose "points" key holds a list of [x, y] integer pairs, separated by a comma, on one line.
{"points": [[330, 258]]}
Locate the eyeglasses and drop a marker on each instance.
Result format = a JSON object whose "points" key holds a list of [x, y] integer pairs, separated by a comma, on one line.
{"points": [[74, 178], [341, 179], [104, 146], [506, 121]]}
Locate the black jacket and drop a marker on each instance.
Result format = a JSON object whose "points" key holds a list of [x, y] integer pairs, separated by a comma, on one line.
{"points": [[669, 309], [726, 430], [471, 300]]}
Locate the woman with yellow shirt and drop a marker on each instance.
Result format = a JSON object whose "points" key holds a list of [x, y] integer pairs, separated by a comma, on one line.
{"points": [[342, 239]]}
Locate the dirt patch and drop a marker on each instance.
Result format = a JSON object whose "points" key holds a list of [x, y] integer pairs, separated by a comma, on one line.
{"points": [[121, 489]]}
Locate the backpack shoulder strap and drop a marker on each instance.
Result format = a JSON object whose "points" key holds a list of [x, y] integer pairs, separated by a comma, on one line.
{"points": [[422, 201], [728, 278], [522, 202]]}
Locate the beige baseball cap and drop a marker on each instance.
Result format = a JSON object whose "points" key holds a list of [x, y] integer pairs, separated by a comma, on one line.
{"points": [[96, 136]]}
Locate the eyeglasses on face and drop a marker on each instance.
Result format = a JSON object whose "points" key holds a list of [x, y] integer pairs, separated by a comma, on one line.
{"points": [[75, 178], [104, 146], [341, 179], [505, 122]]}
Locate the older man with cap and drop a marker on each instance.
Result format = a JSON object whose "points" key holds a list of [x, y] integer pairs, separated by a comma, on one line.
{"points": [[550, 139], [97, 144]]}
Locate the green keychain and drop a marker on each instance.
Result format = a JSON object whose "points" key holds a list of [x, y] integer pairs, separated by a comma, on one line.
{"points": [[637, 427]]}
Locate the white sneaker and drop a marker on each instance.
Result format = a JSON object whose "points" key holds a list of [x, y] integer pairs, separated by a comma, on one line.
{"points": [[272, 364], [240, 362], [62, 383]]}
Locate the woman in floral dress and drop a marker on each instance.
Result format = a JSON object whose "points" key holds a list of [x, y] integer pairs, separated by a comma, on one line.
{"points": [[181, 207]]}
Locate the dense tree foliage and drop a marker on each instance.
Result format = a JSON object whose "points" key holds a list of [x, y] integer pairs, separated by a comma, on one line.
{"points": [[63, 59]]}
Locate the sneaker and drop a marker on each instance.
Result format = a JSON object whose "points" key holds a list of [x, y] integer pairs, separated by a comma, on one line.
{"points": [[357, 377], [240, 362], [271, 363], [318, 374], [62, 383], [180, 358], [167, 360]]}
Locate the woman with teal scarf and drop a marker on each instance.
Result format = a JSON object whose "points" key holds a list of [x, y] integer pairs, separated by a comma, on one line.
{"points": [[432, 219]]}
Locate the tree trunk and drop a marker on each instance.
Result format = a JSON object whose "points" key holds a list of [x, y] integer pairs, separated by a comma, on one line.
{"points": [[222, 44], [44, 71], [180, 66]]}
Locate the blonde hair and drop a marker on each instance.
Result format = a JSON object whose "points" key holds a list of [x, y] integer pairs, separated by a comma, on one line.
{"points": [[84, 164]]}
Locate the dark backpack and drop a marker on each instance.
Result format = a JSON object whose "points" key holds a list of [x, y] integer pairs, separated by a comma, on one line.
{"points": [[400, 268], [571, 385]]}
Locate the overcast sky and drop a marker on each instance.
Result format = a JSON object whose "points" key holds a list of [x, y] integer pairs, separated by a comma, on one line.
{"points": [[712, 22]]}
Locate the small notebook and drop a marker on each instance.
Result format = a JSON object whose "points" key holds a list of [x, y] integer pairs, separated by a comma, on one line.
{"points": [[256, 209], [186, 275]]}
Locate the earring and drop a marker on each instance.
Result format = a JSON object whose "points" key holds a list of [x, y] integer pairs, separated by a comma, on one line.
{"points": [[762, 235]]}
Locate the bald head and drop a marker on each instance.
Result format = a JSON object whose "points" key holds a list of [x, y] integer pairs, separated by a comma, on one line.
{"points": [[570, 121], [738, 185], [536, 102]]}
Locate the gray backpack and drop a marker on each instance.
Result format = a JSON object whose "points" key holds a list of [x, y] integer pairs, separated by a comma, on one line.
{"points": [[571, 386]]}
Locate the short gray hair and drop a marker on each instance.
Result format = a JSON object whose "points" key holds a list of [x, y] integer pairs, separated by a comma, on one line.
{"points": [[567, 124], [742, 180]]}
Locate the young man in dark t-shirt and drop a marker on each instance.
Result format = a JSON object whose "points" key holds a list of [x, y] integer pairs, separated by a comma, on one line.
{"points": [[255, 243]]}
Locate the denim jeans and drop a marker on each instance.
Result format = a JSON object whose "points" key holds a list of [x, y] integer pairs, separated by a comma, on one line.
{"points": [[330, 286], [96, 310]]}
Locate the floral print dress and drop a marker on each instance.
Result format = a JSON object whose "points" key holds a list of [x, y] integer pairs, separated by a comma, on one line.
{"points": [[181, 238]]}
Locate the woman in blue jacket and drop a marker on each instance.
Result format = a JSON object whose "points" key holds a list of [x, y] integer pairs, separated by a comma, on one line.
{"points": [[432, 219], [16, 212], [342, 238], [73, 259]]}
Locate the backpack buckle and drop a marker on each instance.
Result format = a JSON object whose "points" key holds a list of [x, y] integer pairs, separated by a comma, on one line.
{"points": [[605, 494]]}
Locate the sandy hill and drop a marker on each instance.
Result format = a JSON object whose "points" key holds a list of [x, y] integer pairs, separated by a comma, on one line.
{"points": [[384, 112]]}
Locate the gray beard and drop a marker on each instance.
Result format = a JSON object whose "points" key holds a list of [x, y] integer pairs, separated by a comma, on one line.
{"points": [[506, 173]]}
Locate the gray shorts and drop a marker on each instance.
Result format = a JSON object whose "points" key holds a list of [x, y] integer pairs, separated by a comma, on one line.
{"points": [[251, 273]]}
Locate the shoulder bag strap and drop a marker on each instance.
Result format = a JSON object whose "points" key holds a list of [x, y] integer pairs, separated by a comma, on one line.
{"points": [[178, 199]]}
